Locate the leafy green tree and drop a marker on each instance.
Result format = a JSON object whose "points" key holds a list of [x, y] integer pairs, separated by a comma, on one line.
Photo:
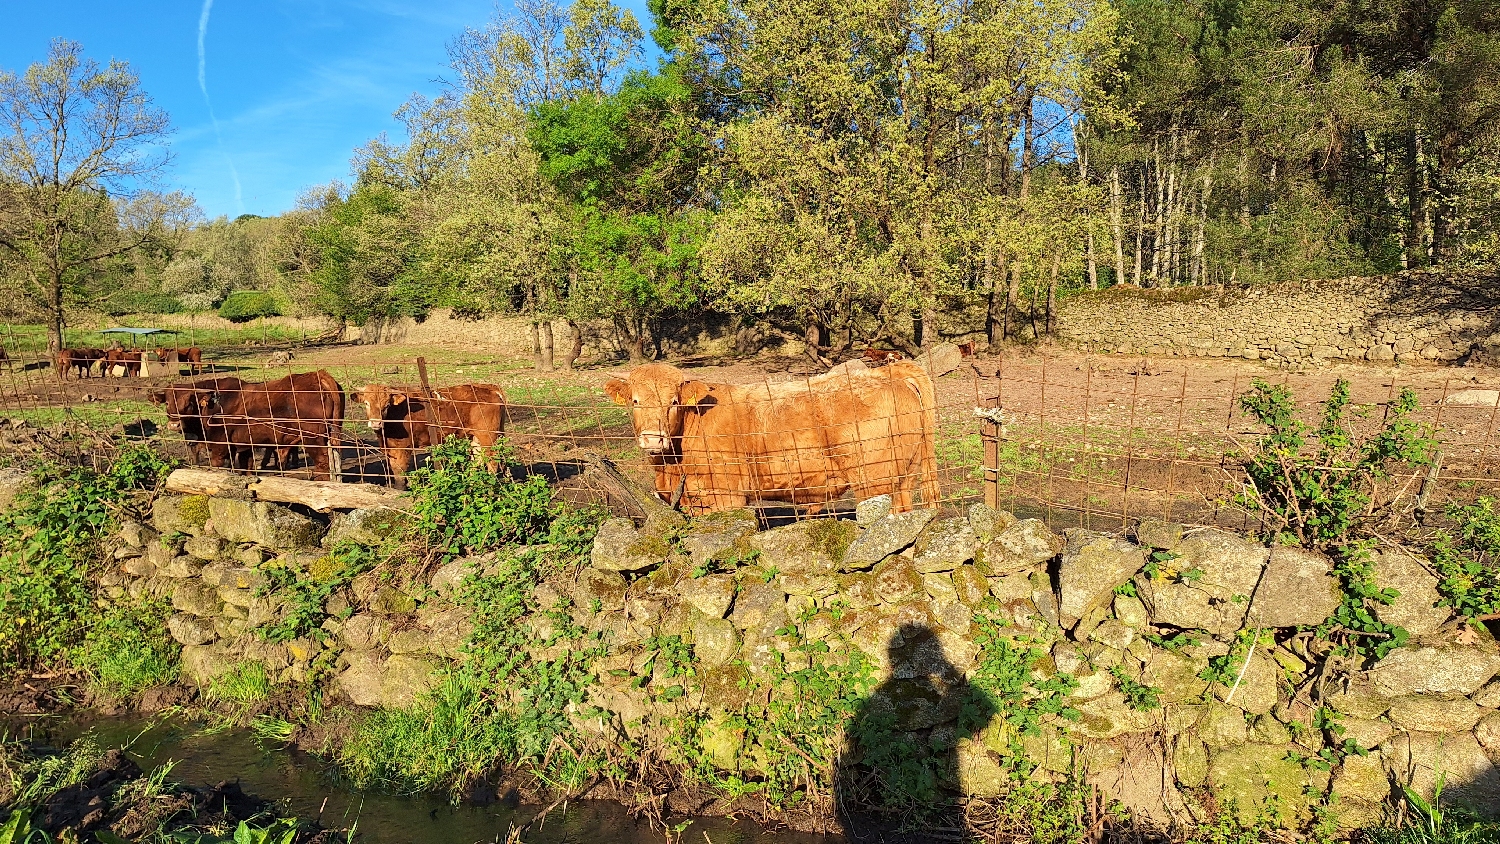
{"points": [[79, 145], [627, 166]]}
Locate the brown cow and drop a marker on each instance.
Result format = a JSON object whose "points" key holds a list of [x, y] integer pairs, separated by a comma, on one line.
{"points": [[181, 404], [305, 409], [192, 354], [720, 446], [81, 359], [407, 421], [881, 356], [128, 358], [966, 350]]}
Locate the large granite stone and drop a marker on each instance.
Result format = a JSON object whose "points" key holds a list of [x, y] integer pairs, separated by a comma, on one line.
{"points": [[1297, 589], [1093, 564]]}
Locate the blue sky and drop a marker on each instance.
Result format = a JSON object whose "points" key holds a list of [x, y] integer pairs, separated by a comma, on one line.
{"points": [[295, 85]]}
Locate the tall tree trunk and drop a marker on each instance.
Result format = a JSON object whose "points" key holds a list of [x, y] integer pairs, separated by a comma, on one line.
{"points": [[575, 346], [1013, 303], [547, 361], [1140, 229], [1416, 203], [1200, 238], [56, 324], [1117, 222], [995, 316], [1052, 294], [1088, 236]]}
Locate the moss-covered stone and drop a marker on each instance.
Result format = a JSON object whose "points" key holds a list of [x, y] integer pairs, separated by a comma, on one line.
{"points": [[1256, 778]]}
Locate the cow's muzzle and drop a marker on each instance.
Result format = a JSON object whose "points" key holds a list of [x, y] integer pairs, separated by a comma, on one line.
{"points": [[653, 442]]}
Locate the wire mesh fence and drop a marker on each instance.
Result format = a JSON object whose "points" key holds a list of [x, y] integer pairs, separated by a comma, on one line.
{"points": [[1102, 446], [1095, 443]]}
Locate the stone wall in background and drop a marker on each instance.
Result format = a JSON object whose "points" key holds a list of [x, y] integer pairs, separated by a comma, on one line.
{"points": [[1411, 317], [1197, 681]]}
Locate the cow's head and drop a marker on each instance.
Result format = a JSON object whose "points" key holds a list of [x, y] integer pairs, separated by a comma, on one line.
{"points": [[378, 400], [658, 396]]}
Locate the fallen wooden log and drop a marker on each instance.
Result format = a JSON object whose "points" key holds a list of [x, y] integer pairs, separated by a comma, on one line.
{"points": [[319, 495]]}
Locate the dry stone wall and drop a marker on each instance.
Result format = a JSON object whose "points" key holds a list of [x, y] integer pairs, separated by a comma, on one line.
{"points": [[1195, 681], [1409, 318]]}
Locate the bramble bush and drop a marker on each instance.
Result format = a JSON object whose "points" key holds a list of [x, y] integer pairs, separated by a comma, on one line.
{"points": [[1469, 559], [49, 543]]}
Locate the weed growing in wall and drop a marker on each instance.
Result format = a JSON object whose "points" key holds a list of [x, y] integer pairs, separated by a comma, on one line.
{"points": [[1468, 559], [48, 548], [459, 506], [507, 702], [307, 592]]}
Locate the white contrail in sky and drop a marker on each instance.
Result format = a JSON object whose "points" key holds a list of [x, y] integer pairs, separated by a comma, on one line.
{"points": [[208, 6]]}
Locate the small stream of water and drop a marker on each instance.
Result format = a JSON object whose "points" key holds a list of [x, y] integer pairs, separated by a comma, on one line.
{"points": [[309, 791]]}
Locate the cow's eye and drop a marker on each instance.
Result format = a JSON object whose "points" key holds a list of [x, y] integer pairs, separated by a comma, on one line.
{"points": [[637, 401]]}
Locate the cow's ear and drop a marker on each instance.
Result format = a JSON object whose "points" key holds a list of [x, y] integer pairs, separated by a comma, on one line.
{"points": [[618, 391], [398, 398], [692, 393]]}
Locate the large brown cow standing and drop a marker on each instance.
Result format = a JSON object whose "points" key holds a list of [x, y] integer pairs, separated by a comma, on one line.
{"points": [[303, 410], [406, 421], [720, 446]]}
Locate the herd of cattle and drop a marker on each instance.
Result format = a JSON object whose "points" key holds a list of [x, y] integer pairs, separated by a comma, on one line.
{"points": [[129, 361], [229, 418], [856, 430]]}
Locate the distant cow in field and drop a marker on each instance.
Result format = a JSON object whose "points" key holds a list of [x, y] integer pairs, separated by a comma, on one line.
{"points": [[81, 359], [5, 361], [304, 410], [966, 350], [192, 355], [720, 446], [130, 359], [879, 357], [406, 420]]}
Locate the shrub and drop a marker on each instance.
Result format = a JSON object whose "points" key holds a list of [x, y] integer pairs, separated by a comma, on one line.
{"points": [[1313, 485], [1469, 561], [48, 545], [245, 305], [461, 507], [124, 303]]}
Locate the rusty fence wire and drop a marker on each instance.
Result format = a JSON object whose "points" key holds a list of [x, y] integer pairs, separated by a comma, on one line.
{"points": [[1098, 444], [1104, 443]]}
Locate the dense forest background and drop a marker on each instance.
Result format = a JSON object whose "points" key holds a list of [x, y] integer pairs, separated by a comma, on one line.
{"points": [[842, 173]]}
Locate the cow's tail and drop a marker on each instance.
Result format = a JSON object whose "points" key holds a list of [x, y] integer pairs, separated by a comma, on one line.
{"points": [[335, 393], [921, 383]]}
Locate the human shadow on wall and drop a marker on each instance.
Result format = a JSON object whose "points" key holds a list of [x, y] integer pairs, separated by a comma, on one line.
{"points": [[899, 777]]}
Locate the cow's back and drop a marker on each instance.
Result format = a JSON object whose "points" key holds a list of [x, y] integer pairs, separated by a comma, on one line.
{"points": [[815, 440]]}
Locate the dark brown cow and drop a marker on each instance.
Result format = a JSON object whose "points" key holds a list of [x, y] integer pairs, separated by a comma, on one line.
{"points": [[303, 410], [191, 354], [180, 402], [881, 356], [407, 421], [129, 358], [966, 350], [81, 359], [5, 361], [719, 446]]}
